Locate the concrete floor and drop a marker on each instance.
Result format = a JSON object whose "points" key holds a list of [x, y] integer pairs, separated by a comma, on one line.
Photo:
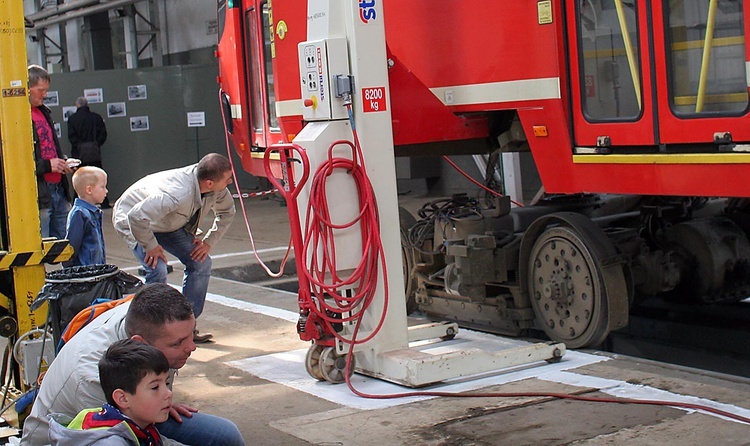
{"points": [[253, 375]]}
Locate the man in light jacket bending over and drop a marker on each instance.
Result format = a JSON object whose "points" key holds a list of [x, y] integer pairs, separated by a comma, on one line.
{"points": [[162, 212]]}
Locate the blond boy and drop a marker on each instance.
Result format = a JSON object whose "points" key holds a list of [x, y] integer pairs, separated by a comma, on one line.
{"points": [[84, 229]]}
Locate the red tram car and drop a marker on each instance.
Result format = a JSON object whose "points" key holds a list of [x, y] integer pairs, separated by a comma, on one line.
{"points": [[636, 115]]}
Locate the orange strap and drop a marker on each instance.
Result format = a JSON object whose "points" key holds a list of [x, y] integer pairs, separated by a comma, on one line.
{"points": [[88, 314]]}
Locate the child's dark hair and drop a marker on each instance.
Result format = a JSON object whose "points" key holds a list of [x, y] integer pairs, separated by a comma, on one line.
{"points": [[125, 364]]}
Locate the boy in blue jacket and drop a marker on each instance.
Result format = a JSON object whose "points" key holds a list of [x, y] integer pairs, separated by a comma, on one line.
{"points": [[134, 379], [84, 229]]}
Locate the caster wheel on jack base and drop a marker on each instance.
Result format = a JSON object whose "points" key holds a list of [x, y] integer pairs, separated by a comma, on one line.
{"points": [[312, 361], [333, 366]]}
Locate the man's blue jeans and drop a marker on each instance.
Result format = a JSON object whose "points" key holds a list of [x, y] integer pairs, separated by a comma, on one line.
{"points": [[54, 220], [195, 281], [202, 429]]}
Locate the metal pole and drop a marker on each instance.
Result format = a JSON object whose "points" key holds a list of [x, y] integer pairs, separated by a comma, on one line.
{"points": [[197, 146], [22, 222], [706, 59], [629, 50]]}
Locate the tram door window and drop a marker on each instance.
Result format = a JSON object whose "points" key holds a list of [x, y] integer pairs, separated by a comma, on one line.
{"points": [[267, 31], [609, 60], [260, 74], [706, 51]]}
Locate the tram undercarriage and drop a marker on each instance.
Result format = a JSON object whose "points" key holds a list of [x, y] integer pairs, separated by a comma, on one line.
{"points": [[571, 266]]}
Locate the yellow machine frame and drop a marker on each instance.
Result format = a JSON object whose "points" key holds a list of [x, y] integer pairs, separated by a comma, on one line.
{"points": [[22, 250]]}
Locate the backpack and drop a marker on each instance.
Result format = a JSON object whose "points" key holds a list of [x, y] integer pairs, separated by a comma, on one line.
{"points": [[85, 316]]}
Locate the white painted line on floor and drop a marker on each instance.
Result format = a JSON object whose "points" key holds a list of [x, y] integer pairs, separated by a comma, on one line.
{"points": [[288, 368], [130, 268], [253, 308], [622, 389], [252, 285], [220, 256], [247, 253]]}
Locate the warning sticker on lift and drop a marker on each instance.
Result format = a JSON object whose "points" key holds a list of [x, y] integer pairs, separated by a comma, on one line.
{"points": [[14, 92], [373, 99]]}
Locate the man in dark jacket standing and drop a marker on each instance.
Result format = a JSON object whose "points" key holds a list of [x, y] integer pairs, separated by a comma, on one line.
{"points": [[87, 133], [51, 165]]}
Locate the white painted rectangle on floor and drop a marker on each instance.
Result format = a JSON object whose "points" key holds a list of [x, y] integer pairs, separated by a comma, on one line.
{"points": [[288, 368]]}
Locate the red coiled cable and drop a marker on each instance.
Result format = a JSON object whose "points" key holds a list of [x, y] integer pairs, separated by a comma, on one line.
{"points": [[334, 301]]}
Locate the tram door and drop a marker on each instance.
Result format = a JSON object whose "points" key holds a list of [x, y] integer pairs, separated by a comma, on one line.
{"points": [[662, 74], [264, 129]]}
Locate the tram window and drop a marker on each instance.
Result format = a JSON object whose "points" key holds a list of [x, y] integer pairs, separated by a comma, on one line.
{"points": [[273, 122], [254, 78], [609, 59], [221, 16], [260, 69], [706, 50]]}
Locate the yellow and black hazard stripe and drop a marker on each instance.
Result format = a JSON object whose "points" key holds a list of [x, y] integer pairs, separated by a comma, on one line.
{"points": [[53, 251], [57, 251]]}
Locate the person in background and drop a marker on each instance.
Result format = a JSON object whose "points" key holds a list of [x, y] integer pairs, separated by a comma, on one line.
{"points": [[85, 219], [134, 379], [158, 315], [162, 211], [51, 164], [87, 133]]}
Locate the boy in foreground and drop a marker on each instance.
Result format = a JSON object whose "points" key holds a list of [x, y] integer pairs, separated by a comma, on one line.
{"points": [[158, 315], [84, 229], [134, 380]]}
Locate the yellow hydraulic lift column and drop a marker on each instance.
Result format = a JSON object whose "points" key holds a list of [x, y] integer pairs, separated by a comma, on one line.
{"points": [[22, 250]]}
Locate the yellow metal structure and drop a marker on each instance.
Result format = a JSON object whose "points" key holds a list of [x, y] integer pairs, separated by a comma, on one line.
{"points": [[22, 250]]}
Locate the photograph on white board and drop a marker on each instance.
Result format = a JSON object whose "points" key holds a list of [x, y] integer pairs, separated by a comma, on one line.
{"points": [[116, 109], [138, 123], [94, 95], [137, 92], [52, 99], [68, 111]]}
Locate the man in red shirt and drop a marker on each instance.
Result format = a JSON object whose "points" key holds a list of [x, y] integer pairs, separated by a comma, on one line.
{"points": [[51, 165]]}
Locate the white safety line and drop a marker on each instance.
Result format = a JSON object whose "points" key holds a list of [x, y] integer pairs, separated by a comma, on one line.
{"points": [[622, 389], [288, 368], [219, 256], [247, 253], [252, 285], [278, 313]]}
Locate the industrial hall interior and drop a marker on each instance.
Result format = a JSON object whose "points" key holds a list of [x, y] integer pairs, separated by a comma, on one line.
{"points": [[374, 222]]}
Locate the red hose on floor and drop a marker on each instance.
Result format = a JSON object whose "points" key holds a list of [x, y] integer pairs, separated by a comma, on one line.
{"points": [[566, 396]]}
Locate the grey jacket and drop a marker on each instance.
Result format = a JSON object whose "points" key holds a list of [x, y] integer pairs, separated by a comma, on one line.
{"points": [[71, 383], [118, 435], [165, 202]]}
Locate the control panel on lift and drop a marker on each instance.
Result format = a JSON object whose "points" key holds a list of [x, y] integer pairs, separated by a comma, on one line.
{"points": [[320, 61]]}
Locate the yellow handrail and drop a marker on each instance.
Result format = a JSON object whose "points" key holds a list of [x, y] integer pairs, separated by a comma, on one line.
{"points": [[632, 61], [706, 55]]}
